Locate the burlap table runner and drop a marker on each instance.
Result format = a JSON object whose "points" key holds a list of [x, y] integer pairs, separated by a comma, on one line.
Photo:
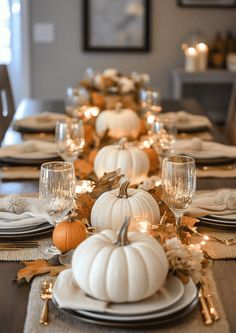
{"points": [[63, 323], [28, 253], [215, 249]]}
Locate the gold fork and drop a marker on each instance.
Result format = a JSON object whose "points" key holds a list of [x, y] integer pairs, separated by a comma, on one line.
{"points": [[46, 295]]}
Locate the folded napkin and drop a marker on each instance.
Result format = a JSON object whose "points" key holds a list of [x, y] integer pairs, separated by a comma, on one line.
{"points": [[45, 120], [17, 211], [68, 295], [185, 120], [31, 149], [204, 149], [218, 202]]}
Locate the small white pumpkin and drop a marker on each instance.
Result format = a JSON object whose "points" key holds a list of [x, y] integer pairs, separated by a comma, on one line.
{"points": [[131, 160], [120, 269], [111, 208], [119, 122]]}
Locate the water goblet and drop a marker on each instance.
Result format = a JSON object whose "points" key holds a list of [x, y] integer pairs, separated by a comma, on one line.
{"points": [[56, 191], [70, 139], [178, 183], [163, 133]]}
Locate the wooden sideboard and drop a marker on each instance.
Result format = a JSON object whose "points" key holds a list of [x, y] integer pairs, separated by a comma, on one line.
{"points": [[212, 89]]}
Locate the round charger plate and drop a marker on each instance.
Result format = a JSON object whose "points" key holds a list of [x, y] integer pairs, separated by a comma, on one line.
{"points": [[230, 217], [28, 235], [26, 129], [189, 296], [192, 129], [218, 221], [133, 324], [68, 294], [221, 226], [214, 161], [27, 161]]}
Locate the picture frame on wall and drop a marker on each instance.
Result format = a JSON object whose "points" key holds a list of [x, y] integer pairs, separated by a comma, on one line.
{"points": [[207, 3], [116, 26]]}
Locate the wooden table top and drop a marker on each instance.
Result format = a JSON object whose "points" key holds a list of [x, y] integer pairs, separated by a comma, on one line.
{"points": [[13, 300]]}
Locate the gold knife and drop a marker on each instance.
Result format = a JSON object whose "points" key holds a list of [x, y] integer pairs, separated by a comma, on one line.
{"points": [[204, 308], [208, 297]]}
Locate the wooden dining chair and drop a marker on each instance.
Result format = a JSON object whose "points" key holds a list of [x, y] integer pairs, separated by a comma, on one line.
{"points": [[230, 127], [7, 105]]}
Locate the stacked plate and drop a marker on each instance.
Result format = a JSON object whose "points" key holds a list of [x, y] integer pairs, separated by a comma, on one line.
{"points": [[220, 221], [172, 302], [23, 232]]}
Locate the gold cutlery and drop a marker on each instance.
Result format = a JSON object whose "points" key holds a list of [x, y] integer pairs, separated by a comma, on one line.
{"points": [[46, 295], [216, 167], [204, 308], [207, 294], [229, 241]]}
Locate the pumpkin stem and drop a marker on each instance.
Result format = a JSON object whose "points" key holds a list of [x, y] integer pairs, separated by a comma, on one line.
{"points": [[123, 191], [122, 143], [122, 239], [118, 106]]}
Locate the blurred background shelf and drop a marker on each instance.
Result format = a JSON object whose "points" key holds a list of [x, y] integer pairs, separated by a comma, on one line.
{"points": [[211, 88]]}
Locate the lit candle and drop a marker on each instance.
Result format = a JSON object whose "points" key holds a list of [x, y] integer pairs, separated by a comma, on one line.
{"points": [[191, 59], [140, 225], [84, 186], [202, 56], [91, 111]]}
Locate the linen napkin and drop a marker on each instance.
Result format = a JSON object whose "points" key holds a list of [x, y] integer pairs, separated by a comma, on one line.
{"points": [[218, 202], [68, 295], [17, 211], [204, 149], [31, 149], [43, 121], [187, 121]]}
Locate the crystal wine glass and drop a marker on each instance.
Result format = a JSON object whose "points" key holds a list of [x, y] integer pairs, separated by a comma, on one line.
{"points": [[150, 102], [178, 183], [70, 139], [57, 191], [163, 133]]}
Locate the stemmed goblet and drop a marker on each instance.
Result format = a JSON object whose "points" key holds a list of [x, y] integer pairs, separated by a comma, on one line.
{"points": [[178, 183], [163, 134], [57, 191], [70, 139]]}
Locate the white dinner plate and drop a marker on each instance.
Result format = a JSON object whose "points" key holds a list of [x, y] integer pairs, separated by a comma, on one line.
{"points": [[68, 295], [230, 217], [190, 294], [39, 228]]}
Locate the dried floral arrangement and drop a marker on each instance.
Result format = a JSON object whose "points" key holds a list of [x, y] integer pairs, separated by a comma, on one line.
{"points": [[110, 86]]}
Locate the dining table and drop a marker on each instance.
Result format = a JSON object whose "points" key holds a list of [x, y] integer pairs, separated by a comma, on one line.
{"points": [[14, 296]]}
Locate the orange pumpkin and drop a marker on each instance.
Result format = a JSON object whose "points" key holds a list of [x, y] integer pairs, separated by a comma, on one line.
{"points": [[67, 235]]}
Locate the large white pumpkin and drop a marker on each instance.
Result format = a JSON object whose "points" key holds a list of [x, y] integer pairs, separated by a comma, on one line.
{"points": [[119, 268], [119, 122], [111, 208], [131, 160]]}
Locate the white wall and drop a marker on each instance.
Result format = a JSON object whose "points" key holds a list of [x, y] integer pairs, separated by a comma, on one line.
{"points": [[62, 63]]}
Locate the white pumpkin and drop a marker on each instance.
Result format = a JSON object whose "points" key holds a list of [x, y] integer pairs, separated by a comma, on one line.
{"points": [[111, 208], [120, 268], [119, 122], [132, 161]]}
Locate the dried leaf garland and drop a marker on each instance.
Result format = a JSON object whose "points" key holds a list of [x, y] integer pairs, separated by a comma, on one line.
{"points": [[107, 182], [84, 203]]}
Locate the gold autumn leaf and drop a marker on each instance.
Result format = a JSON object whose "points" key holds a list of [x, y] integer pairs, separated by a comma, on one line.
{"points": [[107, 182], [37, 267], [188, 221], [84, 203], [163, 232]]}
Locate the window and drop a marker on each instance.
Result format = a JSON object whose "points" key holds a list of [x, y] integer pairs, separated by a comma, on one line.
{"points": [[5, 32]]}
